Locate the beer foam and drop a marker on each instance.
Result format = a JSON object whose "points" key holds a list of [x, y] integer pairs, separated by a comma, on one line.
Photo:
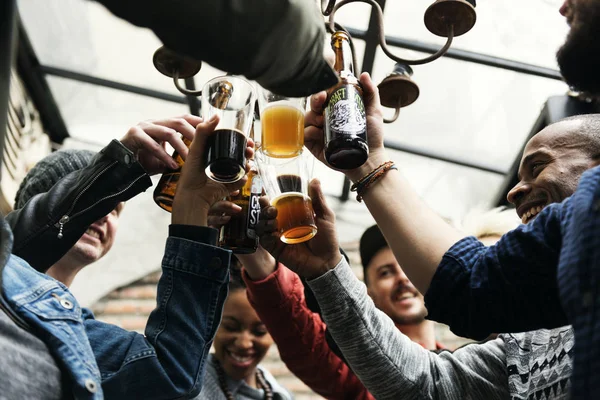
{"points": [[282, 196], [283, 104]]}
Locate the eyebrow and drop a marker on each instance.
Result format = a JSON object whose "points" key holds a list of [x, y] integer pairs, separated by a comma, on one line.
{"points": [[530, 157], [384, 266]]}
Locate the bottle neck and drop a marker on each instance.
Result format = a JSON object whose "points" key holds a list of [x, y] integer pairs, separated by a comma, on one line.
{"points": [[343, 57]]}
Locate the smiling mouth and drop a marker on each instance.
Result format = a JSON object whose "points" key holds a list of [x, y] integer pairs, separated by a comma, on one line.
{"points": [[532, 213], [403, 296], [241, 360], [93, 233]]}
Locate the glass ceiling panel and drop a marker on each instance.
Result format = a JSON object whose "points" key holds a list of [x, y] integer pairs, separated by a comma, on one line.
{"points": [[96, 115], [528, 31], [469, 111], [83, 36]]}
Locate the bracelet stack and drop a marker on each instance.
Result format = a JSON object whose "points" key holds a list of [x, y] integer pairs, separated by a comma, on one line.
{"points": [[365, 182]]}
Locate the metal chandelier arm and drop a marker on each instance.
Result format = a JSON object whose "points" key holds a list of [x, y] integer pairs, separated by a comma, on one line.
{"points": [[183, 90], [382, 43]]}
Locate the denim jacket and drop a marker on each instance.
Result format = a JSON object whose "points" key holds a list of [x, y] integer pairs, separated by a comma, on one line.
{"points": [[165, 363]]}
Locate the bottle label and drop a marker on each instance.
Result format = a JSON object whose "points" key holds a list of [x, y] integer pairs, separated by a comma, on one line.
{"points": [[254, 206], [345, 113]]}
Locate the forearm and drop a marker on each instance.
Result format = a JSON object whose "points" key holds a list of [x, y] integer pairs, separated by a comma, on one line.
{"points": [[416, 234], [374, 345], [258, 265], [170, 357], [300, 336]]}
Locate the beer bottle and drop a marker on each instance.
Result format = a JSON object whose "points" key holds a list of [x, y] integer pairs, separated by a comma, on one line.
{"points": [[345, 119], [165, 189], [239, 234]]}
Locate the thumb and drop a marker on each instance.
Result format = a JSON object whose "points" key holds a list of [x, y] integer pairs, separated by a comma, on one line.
{"points": [[203, 131], [320, 206]]}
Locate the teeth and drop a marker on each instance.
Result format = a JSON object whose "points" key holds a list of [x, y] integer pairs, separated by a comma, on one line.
{"points": [[240, 358], [404, 296], [531, 213], [93, 233]]}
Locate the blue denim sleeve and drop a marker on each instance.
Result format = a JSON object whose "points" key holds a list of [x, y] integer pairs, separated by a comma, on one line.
{"points": [[508, 287], [169, 361]]}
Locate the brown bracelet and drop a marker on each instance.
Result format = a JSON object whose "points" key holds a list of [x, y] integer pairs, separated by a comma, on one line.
{"points": [[368, 180]]}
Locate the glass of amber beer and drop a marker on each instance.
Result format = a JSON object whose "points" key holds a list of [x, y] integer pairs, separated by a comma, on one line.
{"points": [[232, 99], [282, 124], [285, 181]]}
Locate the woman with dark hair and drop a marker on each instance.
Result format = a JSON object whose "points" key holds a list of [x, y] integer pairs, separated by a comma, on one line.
{"points": [[240, 344]]}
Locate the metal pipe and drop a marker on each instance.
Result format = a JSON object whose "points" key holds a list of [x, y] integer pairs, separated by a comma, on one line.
{"points": [[437, 156], [192, 100], [76, 76], [465, 55]]}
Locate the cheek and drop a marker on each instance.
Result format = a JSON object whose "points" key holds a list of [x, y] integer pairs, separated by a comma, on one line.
{"points": [[264, 343]]}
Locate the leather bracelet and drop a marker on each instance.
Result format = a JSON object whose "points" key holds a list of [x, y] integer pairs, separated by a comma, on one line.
{"points": [[368, 180]]}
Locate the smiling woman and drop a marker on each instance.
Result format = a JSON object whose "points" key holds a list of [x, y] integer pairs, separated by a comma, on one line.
{"points": [[241, 343]]}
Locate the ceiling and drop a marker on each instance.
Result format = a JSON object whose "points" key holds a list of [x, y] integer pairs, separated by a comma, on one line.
{"points": [[472, 113]]}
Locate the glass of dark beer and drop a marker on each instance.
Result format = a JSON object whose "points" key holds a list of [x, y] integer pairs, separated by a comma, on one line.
{"points": [[232, 99], [285, 181]]}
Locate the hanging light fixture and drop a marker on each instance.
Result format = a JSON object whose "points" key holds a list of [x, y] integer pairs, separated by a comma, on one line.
{"points": [[445, 18], [176, 66]]}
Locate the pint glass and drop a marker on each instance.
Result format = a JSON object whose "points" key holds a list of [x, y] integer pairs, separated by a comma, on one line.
{"points": [[285, 181], [282, 124], [225, 153]]}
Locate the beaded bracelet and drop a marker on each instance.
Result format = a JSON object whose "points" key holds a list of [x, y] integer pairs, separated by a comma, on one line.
{"points": [[365, 182]]}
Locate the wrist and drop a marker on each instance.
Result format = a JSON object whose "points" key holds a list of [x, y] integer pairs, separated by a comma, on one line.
{"points": [[325, 267], [259, 265], [190, 211], [376, 158]]}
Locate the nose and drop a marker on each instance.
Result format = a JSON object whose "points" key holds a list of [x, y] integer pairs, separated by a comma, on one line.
{"points": [[517, 193], [244, 341], [402, 278], [563, 9]]}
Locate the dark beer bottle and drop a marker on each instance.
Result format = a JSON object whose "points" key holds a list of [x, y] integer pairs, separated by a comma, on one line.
{"points": [[239, 234], [345, 119], [165, 189]]}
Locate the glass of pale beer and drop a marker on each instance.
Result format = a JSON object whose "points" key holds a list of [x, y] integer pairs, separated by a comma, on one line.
{"points": [[282, 124], [285, 181], [232, 99]]}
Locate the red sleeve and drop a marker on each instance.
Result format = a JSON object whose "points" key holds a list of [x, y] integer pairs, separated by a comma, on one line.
{"points": [[300, 336]]}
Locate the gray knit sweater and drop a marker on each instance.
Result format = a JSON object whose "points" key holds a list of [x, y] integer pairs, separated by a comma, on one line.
{"points": [[240, 390], [533, 365]]}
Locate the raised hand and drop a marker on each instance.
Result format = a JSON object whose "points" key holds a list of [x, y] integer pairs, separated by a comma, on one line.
{"points": [[309, 259], [196, 194], [148, 139], [314, 137]]}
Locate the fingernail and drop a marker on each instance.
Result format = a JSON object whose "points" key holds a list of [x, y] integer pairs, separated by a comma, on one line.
{"points": [[237, 208], [213, 118]]}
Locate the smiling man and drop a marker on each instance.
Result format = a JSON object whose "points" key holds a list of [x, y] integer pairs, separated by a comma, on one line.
{"points": [[98, 238], [392, 292], [552, 163]]}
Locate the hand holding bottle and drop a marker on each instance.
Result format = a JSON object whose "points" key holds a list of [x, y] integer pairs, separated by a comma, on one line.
{"points": [[314, 123]]}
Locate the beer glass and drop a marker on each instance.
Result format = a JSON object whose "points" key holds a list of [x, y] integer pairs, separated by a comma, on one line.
{"points": [[232, 99], [282, 124], [285, 181]]}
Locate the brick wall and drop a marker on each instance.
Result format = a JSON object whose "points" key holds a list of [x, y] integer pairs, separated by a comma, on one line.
{"points": [[130, 306]]}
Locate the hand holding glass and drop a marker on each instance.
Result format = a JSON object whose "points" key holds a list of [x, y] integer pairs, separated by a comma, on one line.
{"points": [[232, 99], [285, 181]]}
